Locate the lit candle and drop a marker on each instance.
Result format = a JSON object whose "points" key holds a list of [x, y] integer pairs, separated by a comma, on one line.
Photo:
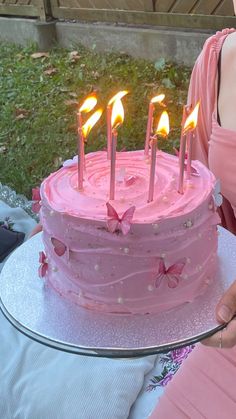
{"points": [[156, 99], [189, 153], [117, 117], [80, 159], [161, 131], [190, 137], [88, 104], [189, 126], [83, 134], [119, 95]]}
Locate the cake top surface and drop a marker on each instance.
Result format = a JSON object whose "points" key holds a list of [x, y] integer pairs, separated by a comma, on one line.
{"points": [[60, 192]]}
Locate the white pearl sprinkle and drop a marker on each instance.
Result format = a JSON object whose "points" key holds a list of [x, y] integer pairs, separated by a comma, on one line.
{"points": [[210, 206], [165, 199], [188, 224], [155, 226], [55, 268], [40, 202], [96, 267], [120, 300], [163, 255], [150, 288], [188, 260], [126, 250], [51, 212], [46, 260], [81, 294]]}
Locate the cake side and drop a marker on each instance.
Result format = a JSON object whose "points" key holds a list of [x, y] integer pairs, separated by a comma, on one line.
{"points": [[167, 258]]}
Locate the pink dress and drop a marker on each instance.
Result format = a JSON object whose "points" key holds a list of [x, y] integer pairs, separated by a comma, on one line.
{"points": [[205, 385]]}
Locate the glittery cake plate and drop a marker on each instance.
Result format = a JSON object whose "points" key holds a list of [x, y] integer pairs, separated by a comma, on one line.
{"points": [[42, 315]]}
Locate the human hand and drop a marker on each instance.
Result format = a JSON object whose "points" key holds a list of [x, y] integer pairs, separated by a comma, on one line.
{"points": [[35, 230], [225, 312]]}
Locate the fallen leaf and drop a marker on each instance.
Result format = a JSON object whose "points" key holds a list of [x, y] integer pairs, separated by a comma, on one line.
{"points": [[21, 113], [71, 102], [73, 94], [95, 74], [63, 89], [150, 84], [50, 71], [57, 161], [74, 56], [3, 149], [19, 57], [39, 55]]}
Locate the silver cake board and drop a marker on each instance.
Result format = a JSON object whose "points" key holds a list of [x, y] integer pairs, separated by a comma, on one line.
{"points": [[38, 312]]}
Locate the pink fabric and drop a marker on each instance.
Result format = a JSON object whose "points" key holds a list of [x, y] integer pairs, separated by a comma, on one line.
{"points": [[203, 87], [204, 387]]}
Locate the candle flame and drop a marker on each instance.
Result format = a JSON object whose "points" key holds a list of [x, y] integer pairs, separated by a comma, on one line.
{"points": [[158, 99], [86, 128], [191, 121], [163, 127], [88, 104], [117, 115], [118, 95]]}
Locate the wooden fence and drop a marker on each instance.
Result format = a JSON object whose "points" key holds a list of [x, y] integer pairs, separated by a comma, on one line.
{"points": [[202, 14]]}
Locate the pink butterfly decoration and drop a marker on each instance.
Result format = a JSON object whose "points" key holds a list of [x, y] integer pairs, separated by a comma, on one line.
{"points": [[58, 246], [43, 264], [119, 223], [171, 274], [36, 198], [130, 180]]}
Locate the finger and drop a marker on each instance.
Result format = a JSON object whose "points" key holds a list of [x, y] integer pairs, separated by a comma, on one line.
{"points": [[226, 308], [227, 337]]}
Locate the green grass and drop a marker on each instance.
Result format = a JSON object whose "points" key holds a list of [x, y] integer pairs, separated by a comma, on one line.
{"points": [[34, 146]]}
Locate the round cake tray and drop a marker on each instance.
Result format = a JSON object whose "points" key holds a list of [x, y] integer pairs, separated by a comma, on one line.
{"points": [[38, 312]]}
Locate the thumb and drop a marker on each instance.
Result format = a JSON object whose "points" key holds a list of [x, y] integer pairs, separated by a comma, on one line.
{"points": [[226, 308]]}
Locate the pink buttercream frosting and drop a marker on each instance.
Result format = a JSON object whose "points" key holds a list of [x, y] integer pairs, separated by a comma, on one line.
{"points": [[118, 273]]}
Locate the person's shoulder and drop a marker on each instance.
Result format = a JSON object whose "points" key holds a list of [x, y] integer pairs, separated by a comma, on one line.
{"points": [[229, 47]]}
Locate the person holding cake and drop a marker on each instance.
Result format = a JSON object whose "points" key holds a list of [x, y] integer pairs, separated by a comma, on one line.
{"points": [[204, 387]]}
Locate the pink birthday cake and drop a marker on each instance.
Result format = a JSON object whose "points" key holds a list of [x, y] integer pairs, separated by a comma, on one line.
{"points": [[129, 256]]}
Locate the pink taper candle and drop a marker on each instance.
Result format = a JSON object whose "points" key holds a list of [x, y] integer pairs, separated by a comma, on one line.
{"points": [[189, 153], [189, 126], [152, 168], [80, 159], [181, 162], [113, 165], [109, 131], [161, 131], [117, 118], [149, 127], [119, 96], [156, 99], [86, 107], [83, 134]]}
